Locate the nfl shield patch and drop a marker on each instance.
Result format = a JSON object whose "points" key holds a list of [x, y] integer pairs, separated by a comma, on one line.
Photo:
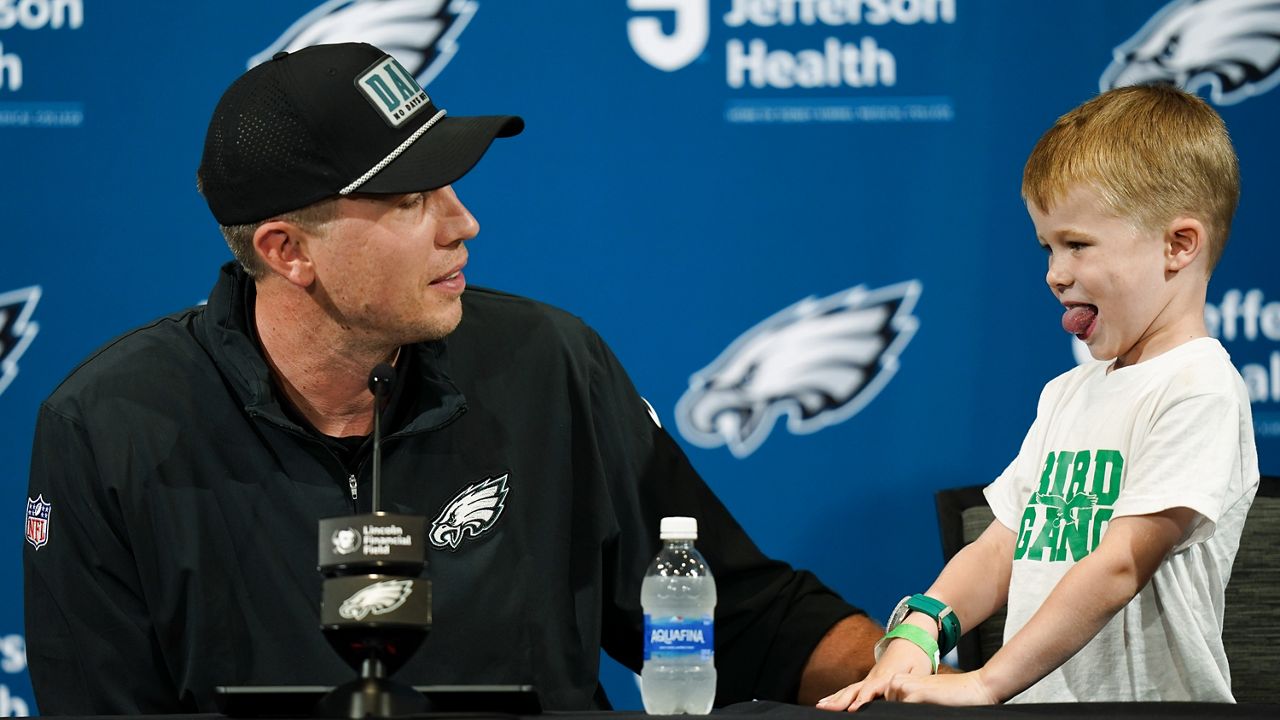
{"points": [[38, 521]]}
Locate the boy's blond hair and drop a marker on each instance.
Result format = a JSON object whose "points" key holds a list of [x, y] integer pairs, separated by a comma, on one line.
{"points": [[1152, 153]]}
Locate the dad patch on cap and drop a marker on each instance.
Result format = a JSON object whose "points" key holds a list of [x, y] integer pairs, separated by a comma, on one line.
{"points": [[332, 120], [392, 91]]}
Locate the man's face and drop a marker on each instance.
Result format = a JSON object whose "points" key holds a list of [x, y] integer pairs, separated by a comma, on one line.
{"points": [[1109, 274], [389, 267]]}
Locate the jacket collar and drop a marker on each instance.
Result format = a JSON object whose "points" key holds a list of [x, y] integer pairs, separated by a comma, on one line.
{"points": [[226, 331]]}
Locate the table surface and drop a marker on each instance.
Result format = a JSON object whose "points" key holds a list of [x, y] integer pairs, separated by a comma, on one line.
{"points": [[882, 710]]}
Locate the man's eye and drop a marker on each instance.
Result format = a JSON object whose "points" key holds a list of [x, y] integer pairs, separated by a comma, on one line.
{"points": [[412, 200]]}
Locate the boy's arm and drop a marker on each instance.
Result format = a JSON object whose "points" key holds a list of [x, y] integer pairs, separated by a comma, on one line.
{"points": [[976, 581], [1086, 598], [975, 584]]}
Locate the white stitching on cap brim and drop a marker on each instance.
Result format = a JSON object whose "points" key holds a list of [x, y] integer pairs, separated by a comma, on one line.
{"points": [[392, 155]]}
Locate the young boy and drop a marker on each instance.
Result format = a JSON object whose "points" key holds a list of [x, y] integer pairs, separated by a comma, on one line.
{"points": [[1118, 521]]}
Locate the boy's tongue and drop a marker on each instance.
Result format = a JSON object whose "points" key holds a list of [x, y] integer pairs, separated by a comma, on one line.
{"points": [[1077, 320]]}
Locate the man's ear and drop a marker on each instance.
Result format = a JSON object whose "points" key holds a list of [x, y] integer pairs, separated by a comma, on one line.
{"points": [[1185, 240], [282, 246]]}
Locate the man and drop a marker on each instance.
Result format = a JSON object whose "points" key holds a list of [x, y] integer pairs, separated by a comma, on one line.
{"points": [[186, 464]]}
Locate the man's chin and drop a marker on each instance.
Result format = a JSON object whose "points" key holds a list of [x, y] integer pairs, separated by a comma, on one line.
{"points": [[439, 326]]}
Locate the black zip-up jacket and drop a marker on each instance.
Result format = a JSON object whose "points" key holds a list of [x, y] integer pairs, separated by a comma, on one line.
{"points": [[182, 533]]}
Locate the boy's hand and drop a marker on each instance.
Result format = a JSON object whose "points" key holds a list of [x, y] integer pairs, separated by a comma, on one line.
{"points": [[958, 689], [901, 658]]}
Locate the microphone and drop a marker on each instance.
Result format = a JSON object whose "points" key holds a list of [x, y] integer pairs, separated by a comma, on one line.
{"points": [[381, 380]]}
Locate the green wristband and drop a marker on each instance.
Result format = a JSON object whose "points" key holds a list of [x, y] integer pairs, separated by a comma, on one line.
{"points": [[915, 636], [948, 623]]}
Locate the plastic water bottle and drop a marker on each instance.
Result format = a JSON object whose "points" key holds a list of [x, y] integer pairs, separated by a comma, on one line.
{"points": [[679, 600]]}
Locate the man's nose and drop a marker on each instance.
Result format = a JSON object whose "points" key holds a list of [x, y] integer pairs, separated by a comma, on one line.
{"points": [[456, 221]]}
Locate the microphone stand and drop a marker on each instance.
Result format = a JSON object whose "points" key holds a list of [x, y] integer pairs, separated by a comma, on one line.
{"points": [[376, 609], [380, 380]]}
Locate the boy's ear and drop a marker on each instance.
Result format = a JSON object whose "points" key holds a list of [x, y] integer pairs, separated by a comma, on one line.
{"points": [[1184, 240], [283, 249]]}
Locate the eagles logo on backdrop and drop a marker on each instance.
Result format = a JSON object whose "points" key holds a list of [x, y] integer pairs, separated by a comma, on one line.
{"points": [[470, 514], [819, 362], [16, 329], [421, 34], [1230, 46]]}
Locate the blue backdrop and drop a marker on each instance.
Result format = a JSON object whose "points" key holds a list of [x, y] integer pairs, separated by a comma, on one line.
{"points": [[691, 171]]}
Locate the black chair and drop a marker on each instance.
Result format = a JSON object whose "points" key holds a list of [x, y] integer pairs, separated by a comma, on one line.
{"points": [[1251, 623]]}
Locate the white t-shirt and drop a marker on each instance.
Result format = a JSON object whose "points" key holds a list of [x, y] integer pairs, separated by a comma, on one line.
{"points": [[1172, 431]]}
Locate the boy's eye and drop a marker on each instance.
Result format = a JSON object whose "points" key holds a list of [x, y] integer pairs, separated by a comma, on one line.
{"points": [[1075, 246]]}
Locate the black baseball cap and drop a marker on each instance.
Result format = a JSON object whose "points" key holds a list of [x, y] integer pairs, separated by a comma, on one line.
{"points": [[333, 120]]}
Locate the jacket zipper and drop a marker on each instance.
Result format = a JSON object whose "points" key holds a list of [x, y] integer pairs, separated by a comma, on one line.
{"points": [[353, 482], [352, 478]]}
